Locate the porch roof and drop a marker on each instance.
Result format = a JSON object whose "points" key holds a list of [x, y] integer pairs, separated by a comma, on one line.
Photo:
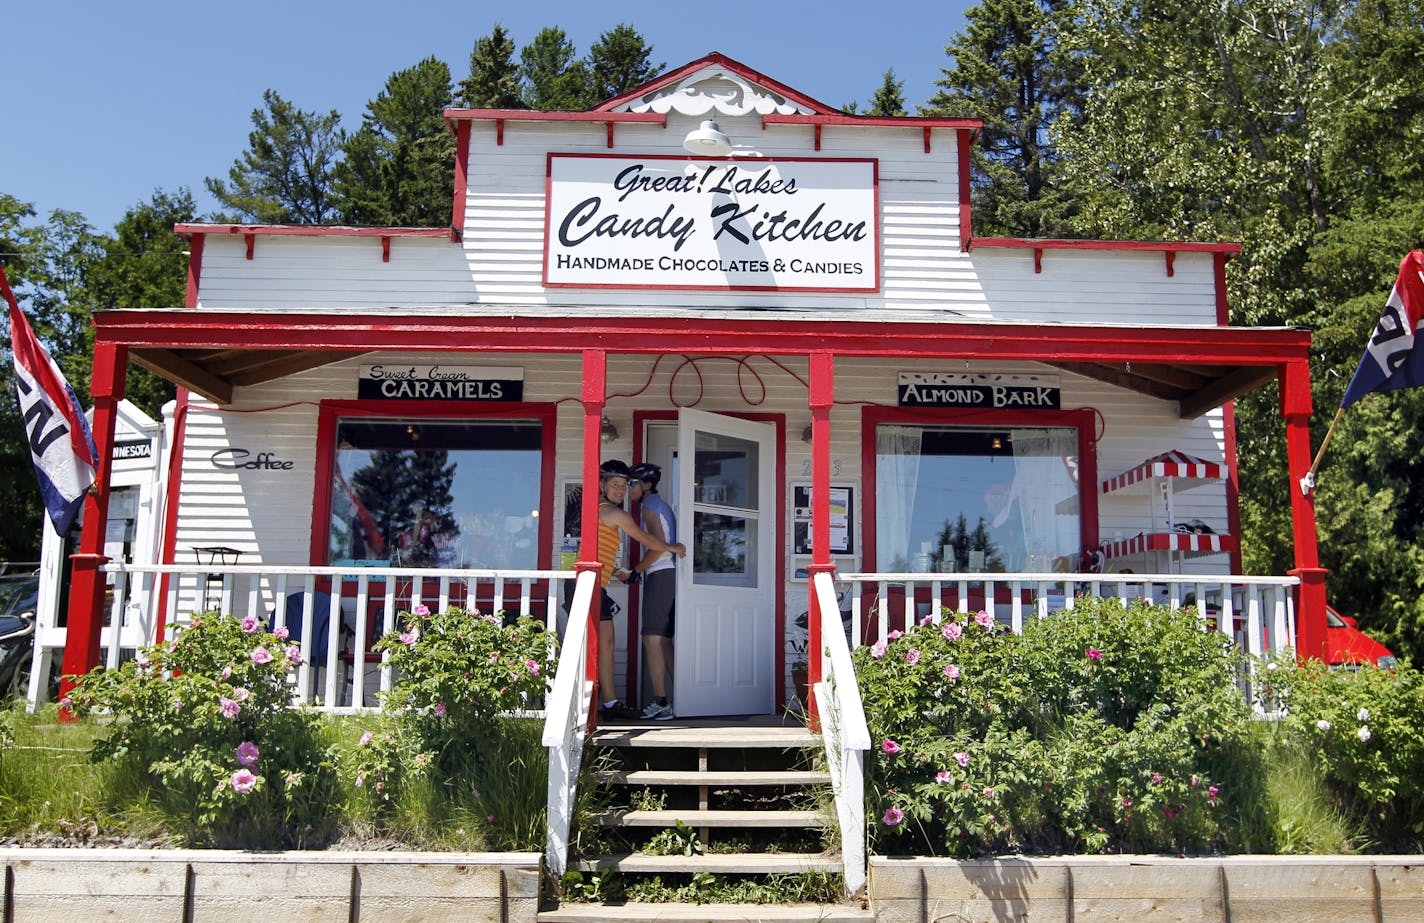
{"points": [[213, 352]]}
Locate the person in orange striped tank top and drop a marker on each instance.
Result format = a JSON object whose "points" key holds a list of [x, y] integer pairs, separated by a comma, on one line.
{"points": [[613, 520]]}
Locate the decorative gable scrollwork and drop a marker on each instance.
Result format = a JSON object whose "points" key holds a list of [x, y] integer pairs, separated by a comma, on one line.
{"points": [[714, 91]]}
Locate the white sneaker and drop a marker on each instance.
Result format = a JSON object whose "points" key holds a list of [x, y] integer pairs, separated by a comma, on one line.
{"points": [[656, 712]]}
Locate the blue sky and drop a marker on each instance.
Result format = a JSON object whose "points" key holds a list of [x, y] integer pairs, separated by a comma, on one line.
{"points": [[108, 101]]}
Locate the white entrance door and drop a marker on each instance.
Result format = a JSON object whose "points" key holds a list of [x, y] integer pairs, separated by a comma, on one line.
{"points": [[726, 601]]}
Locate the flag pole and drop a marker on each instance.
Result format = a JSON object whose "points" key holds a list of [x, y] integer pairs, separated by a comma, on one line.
{"points": [[1308, 482]]}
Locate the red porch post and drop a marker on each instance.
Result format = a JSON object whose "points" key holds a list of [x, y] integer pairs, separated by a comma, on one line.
{"points": [[595, 374], [822, 396], [86, 585], [1310, 605]]}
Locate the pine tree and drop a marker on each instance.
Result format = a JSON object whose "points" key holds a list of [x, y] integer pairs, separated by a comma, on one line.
{"points": [[398, 169], [493, 82], [1011, 71], [890, 98], [553, 78], [285, 175], [619, 62]]}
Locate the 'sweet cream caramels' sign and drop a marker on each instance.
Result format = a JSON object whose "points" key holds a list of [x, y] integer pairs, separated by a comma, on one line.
{"points": [[692, 223]]}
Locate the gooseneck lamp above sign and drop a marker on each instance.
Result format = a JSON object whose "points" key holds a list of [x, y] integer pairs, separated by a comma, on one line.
{"points": [[707, 140]]}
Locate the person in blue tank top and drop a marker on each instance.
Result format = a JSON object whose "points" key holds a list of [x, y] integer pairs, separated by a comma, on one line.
{"points": [[659, 586]]}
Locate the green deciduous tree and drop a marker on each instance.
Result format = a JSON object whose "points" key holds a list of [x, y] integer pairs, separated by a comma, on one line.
{"points": [[398, 169], [285, 175]]}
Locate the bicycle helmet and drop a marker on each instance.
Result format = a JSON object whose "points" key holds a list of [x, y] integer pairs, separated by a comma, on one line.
{"points": [[647, 472], [613, 468]]}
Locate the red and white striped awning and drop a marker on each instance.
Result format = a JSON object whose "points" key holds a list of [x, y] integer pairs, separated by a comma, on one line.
{"points": [[1174, 464], [1191, 543]]}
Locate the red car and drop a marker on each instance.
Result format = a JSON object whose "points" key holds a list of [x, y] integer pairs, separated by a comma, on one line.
{"points": [[1346, 645]]}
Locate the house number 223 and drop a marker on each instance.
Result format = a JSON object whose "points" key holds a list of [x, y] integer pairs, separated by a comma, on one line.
{"points": [[835, 467]]}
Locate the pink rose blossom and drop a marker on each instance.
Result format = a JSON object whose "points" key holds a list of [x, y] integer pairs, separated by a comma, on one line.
{"points": [[877, 650], [361, 780], [892, 817], [247, 753], [951, 671], [66, 703], [241, 694], [1126, 801], [294, 653], [282, 633], [226, 672], [261, 655], [942, 776], [1211, 792], [1094, 654], [250, 624], [243, 781], [984, 620], [532, 666], [230, 709], [420, 611], [912, 656], [895, 634], [439, 709], [365, 739], [1156, 778], [494, 656], [408, 638], [962, 758], [988, 793], [889, 746], [926, 620], [951, 630]]}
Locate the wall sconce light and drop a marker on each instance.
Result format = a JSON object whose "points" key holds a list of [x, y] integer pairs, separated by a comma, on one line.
{"points": [[707, 140], [997, 443], [606, 430], [806, 434]]}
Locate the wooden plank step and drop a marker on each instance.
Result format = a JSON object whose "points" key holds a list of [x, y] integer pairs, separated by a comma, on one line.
{"points": [[760, 863], [720, 778], [707, 913], [696, 818], [731, 738]]}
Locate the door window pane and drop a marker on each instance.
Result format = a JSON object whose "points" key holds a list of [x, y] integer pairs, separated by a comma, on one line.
{"points": [[725, 471], [423, 493], [953, 499], [723, 550]]}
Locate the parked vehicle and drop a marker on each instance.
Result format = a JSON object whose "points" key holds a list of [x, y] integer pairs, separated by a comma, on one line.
{"points": [[1347, 646], [19, 595]]}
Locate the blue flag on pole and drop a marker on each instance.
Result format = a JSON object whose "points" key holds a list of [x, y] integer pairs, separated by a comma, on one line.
{"points": [[61, 445], [1391, 362]]}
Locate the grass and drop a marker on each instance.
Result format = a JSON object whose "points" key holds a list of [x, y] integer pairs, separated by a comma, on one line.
{"points": [[51, 791]]}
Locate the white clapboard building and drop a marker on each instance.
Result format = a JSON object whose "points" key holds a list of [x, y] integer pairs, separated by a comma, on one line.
{"points": [[785, 307]]}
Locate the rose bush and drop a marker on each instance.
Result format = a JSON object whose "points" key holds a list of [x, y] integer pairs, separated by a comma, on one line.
{"points": [[1100, 728], [206, 720]]}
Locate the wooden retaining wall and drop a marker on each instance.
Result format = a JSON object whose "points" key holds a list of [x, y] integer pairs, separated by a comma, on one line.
{"points": [[149, 886], [1118, 889]]}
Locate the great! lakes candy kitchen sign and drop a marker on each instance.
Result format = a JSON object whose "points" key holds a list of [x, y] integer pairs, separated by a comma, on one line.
{"points": [[692, 223]]}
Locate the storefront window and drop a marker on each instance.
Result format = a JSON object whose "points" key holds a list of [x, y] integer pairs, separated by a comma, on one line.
{"points": [[958, 498], [432, 493]]}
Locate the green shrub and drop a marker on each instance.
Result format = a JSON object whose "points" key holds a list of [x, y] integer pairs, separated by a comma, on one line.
{"points": [[1363, 729], [448, 749], [207, 721], [1101, 728]]}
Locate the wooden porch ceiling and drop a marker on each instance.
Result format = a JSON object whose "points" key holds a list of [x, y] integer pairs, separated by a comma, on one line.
{"points": [[1198, 368]]}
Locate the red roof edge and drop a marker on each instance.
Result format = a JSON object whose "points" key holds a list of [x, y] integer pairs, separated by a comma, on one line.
{"points": [[307, 230], [717, 59], [1176, 246]]}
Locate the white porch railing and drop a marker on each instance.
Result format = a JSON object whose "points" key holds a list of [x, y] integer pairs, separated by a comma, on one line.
{"points": [[566, 711], [339, 671], [844, 732], [1257, 612]]}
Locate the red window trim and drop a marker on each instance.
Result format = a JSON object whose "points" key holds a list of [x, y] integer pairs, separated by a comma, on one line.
{"points": [[332, 410], [1084, 420]]}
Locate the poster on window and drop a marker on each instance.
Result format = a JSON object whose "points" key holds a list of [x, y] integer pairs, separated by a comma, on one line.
{"points": [[842, 519]]}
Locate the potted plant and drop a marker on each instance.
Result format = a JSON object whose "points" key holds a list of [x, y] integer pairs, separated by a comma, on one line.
{"points": [[800, 669]]}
